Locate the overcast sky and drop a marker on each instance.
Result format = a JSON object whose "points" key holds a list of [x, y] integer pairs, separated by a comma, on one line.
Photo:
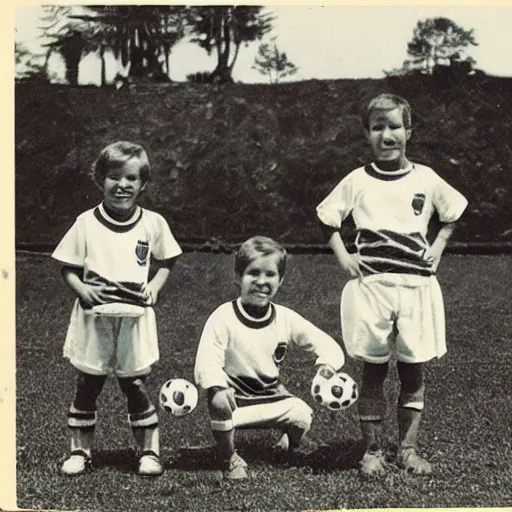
{"points": [[337, 41]]}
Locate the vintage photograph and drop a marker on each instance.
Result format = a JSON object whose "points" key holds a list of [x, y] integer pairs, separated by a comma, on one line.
{"points": [[263, 257]]}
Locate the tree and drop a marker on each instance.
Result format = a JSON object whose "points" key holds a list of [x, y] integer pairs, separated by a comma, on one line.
{"points": [[273, 63], [28, 66], [140, 37], [223, 29], [437, 42]]}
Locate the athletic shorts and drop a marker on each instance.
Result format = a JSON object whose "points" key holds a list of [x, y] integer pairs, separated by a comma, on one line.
{"points": [[290, 411], [379, 316], [125, 346]]}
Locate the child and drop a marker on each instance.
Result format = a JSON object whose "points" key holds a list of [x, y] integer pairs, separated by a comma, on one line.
{"points": [[106, 257], [393, 300], [241, 350]]}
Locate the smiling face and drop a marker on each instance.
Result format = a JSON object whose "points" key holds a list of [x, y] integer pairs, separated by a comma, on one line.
{"points": [[260, 281], [388, 135], [122, 185]]}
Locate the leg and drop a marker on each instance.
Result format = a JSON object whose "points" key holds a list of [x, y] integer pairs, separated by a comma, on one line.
{"points": [[372, 411], [144, 422], [409, 411], [82, 422], [221, 404]]}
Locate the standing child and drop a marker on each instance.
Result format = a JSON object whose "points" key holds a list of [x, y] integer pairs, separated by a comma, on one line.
{"points": [[241, 349], [393, 301], [106, 259]]}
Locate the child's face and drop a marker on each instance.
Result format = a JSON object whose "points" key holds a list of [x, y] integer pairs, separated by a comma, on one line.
{"points": [[260, 281], [122, 186], [387, 134]]}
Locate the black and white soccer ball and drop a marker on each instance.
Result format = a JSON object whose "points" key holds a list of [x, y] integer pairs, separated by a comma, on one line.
{"points": [[334, 391], [178, 397]]}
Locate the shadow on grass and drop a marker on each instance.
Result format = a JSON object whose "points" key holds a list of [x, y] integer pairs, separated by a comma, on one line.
{"points": [[122, 459], [337, 457], [342, 456]]}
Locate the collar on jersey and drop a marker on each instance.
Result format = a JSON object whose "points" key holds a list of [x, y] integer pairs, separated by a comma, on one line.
{"points": [[375, 172], [114, 225], [249, 321]]}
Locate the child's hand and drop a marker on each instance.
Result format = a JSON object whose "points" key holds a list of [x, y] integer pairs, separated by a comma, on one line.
{"points": [[350, 264], [433, 257], [151, 295], [92, 295]]}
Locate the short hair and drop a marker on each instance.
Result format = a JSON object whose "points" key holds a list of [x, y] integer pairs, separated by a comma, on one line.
{"points": [[116, 154], [259, 246], [388, 101]]}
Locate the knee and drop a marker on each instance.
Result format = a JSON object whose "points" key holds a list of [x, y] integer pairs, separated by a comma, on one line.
{"points": [[221, 403], [134, 389], [88, 388], [300, 415]]}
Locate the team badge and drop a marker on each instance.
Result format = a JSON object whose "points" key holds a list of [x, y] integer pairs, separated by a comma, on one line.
{"points": [[280, 352], [418, 202], [142, 251]]}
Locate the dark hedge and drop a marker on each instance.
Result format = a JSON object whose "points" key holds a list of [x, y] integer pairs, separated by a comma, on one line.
{"points": [[230, 161]]}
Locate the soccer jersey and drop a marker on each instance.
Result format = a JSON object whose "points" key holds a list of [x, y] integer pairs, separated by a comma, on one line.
{"points": [[245, 353], [391, 211], [113, 252]]}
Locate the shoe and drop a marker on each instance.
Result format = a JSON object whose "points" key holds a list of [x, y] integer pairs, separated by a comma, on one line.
{"points": [[409, 460], [282, 445], [150, 465], [78, 462], [372, 464], [234, 468]]}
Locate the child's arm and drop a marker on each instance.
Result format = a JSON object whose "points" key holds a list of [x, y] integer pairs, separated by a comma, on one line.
{"points": [[347, 261], [159, 279], [310, 338], [210, 355], [89, 294], [435, 251]]}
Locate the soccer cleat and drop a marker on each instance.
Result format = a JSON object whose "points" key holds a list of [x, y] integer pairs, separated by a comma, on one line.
{"points": [[372, 464], [77, 463], [234, 468], [149, 464], [413, 463], [282, 445]]}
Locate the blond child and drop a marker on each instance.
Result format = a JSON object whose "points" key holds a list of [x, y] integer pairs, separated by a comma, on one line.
{"points": [[106, 258]]}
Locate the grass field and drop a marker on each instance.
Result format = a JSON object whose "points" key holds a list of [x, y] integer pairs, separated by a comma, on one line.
{"points": [[467, 422]]}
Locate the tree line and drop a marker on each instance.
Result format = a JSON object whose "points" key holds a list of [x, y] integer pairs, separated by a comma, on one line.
{"points": [[141, 39]]}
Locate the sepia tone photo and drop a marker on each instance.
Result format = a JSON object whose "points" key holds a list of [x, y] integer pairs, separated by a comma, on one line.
{"points": [[262, 258]]}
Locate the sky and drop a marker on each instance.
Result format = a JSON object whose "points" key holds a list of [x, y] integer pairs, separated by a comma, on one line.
{"points": [[330, 42]]}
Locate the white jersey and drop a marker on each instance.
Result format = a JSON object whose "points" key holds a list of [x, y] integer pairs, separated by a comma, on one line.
{"points": [[391, 212], [117, 252], [245, 353]]}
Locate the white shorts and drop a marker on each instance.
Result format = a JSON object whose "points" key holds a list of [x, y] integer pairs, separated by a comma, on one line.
{"points": [[283, 413], [126, 346], [379, 315]]}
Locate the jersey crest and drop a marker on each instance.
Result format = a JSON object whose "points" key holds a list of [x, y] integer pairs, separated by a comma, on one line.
{"points": [[280, 352], [418, 201], [142, 251]]}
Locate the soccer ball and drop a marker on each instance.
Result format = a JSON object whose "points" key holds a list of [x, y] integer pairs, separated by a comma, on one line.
{"points": [[334, 391], [178, 397]]}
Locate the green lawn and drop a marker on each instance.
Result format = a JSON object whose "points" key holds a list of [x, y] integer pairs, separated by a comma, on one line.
{"points": [[467, 425]]}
